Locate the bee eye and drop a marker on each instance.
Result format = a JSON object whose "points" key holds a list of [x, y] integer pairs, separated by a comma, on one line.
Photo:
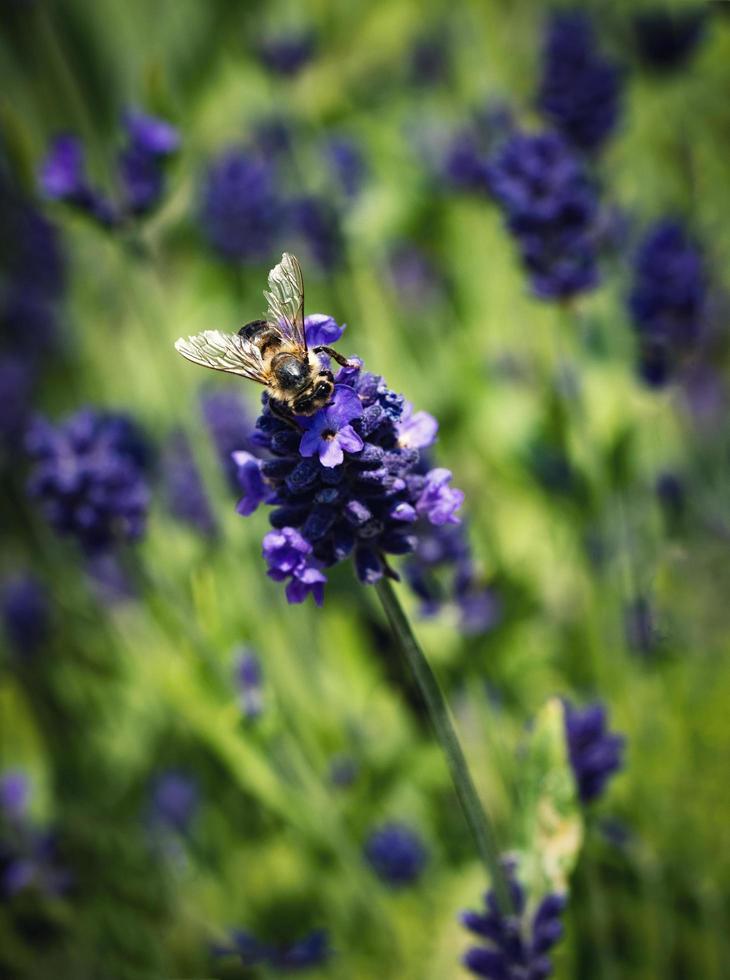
{"points": [[323, 389]]}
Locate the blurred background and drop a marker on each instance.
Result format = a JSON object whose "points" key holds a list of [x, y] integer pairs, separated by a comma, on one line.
{"points": [[521, 214]]}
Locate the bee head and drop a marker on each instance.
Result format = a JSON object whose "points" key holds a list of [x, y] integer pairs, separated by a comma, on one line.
{"points": [[315, 395]]}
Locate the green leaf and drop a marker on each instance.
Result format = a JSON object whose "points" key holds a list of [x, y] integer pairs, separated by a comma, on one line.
{"points": [[550, 816]]}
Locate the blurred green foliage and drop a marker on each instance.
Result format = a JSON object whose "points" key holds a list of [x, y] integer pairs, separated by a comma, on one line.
{"points": [[123, 691]]}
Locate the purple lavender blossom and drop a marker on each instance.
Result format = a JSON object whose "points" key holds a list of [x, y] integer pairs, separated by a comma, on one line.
{"points": [[14, 794], [551, 208], [668, 299], [88, 478], [580, 89], [416, 279], [328, 434], [26, 614], [320, 328], [183, 486], [287, 53], [396, 854], [248, 680], [231, 428], [595, 753], [63, 177], [360, 497], [289, 556], [152, 135], [251, 480], [514, 947], [241, 212], [28, 855], [174, 801], [441, 570]]}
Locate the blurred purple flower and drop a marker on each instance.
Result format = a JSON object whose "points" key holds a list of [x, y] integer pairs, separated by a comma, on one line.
{"points": [[580, 90], [248, 680], [551, 208], [668, 299], [396, 854], [241, 212], [150, 134], [14, 794], [88, 478], [183, 486], [347, 164], [666, 39], [316, 221], [174, 801], [26, 614], [287, 53], [514, 947], [310, 950], [231, 428], [595, 753], [438, 502]]}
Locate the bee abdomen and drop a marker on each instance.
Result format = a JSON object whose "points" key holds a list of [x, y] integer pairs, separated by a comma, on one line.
{"points": [[262, 334]]}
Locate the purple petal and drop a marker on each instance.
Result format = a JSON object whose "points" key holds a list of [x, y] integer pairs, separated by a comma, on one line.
{"points": [[345, 407], [311, 439], [251, 481], [330, 453], [322, 329], [155, 136], [62, 174], [416, 431], [349, 440]]}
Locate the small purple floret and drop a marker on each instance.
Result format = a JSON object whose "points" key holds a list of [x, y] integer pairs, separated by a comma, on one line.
{"points": [[329, 434], [289, 556]]}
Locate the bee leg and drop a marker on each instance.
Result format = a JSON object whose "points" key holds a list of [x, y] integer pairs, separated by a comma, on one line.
{"points": [[283, 414], [324, 349]]}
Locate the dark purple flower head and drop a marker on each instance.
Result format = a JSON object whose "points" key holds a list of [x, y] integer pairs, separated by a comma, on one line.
{"points": [[28, 858], [328, 434], [287, 53], [667, 39], [668, 299], [348, 483], [396, 854], [88, 478], [514, 947], [595, 753], [31, 257], [580, 90], [248, 680], [551, 208], [231, 428], [465, 163], [174, 801], [151, 135], [309, 951], [241, 212], [184, 489], [26, 614]]}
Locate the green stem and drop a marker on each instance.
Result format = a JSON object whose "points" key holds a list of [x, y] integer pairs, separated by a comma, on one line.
{"points": [[478, 822]]}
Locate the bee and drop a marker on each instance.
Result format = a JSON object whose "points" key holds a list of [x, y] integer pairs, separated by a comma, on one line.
{"points": [[272, 351]]}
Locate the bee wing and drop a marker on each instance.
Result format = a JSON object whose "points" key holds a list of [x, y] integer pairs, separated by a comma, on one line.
{"points": [[224, 352], [285, 299]]}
